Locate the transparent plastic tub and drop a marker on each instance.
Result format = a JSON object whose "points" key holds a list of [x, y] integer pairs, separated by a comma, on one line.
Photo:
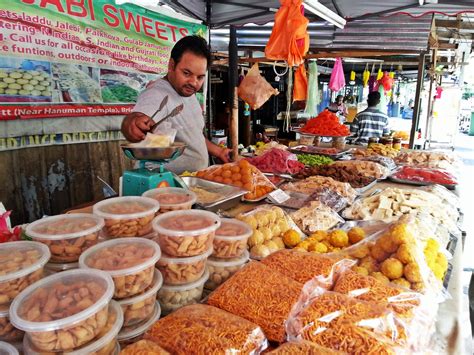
{"points": [[231, 238], [64, 311], [128, 216], [139, 308], [67, 235], [173, 297], [186, 233], [172, 198], [104, 344], [21, 264], [134, 333], [54, 268], [222, 269], [179, 271], [130, 262], [7, 349], [8, 332]]}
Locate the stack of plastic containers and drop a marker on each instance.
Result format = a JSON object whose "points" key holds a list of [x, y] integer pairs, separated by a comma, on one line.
{"points": [[185, 238], [230, 251], [66, 236], [131, 264], [172, 198]]}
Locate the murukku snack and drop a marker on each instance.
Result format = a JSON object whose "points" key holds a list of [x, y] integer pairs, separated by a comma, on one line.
{"points": [[302, 347], [202, 329], [261, 295], [144, 347]]}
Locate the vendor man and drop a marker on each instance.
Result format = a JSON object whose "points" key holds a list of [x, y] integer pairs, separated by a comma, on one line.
{"points": [[190, 59], [371, 122]]}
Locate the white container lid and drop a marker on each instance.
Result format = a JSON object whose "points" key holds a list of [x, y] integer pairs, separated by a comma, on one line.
{"points": [[163, 195], [22, 246], [7, 349], [84, 259], [150, 291], [58, 267], [229, 262], [94, 345], [180, 229], [165, 258], [41, 229], [242, 230], [67, 277], [189, 286], [148, 206], [135, 330]]}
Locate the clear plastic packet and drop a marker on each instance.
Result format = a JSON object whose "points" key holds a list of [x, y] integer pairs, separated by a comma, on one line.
{"points": [[425, 175], [204, 329], [261, 295], [346, 175], [144, 347], [364, 168], [166, 129], [387, 162], [240, 174], [254, 89], [277, 161], [430, 159], [303, 347], [271, 227], [444, 194], [314, 183], [329, 198], [315, 216]]}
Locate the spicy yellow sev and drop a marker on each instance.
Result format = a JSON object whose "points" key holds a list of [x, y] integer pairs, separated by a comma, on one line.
{"points": [[302, 347]]}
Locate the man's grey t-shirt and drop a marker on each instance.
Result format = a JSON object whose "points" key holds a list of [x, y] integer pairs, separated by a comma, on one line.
{"points": [[189, 124]]}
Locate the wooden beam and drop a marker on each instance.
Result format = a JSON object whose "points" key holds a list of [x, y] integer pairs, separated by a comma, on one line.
{"points": [[461, 25], [447, 46], [416, 110]]}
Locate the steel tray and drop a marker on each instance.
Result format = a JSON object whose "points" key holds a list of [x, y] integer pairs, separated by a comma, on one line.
{"points": [[231, 194], [318, 151], [418, 183], [361, 190]]}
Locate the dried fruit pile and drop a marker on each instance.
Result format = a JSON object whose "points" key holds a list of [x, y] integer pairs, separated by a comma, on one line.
{"points": [[326, 124]]}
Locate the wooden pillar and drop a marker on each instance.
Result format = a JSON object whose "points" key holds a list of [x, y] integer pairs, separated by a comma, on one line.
{"points": [[234, 99], [416, 110]]}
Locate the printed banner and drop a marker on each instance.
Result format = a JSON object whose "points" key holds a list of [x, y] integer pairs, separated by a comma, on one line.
{"points": [[39, 140], [72, 58]]}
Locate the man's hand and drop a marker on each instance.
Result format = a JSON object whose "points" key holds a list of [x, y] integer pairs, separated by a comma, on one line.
{"points": [[224, 155], [135, 126]]}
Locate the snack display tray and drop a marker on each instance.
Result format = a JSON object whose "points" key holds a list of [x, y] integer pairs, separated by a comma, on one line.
{"points": [[418, 183], [314, 151]]}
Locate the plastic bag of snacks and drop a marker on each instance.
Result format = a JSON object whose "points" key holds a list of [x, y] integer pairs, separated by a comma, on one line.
{"points": [[144, 347], [260, 295], [343, 323], [387, 162], [269, 224], [315, 216], [329, 198], [241, 174], [277, 161], [444, 194], [364, 168], [204, 329], [302, 347]]}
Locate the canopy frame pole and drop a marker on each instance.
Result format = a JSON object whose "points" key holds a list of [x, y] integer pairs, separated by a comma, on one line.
{"points": [[234, 99], [416, 110]]}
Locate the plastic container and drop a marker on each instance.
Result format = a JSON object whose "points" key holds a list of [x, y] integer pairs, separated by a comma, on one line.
{"points": [[397, 143], [172, 198], [221, 269], [21, 264], [173, 297], [128, 216], [54, 311], [179, 271], [139, 308], [134, 333], [54, 268], [231, 239], [339, 142], [8, 332], [104, 344], [7, 349], [372, 140], [130, 262], [186, 233], [306, 139], [67, 235]]}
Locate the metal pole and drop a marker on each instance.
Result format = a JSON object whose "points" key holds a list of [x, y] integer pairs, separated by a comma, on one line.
{"points": [[209, 85], [233, 76], [416, 110]]}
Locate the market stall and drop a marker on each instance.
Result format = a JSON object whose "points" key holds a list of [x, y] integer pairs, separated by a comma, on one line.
{"points": [[315, 232]]}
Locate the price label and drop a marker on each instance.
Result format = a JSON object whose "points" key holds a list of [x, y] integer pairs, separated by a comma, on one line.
{"points": [[278, 196]]}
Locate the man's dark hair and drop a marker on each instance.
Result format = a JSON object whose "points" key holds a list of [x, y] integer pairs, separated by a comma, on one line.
{"points": [[373, 98], [193, 44], [339, 97]]}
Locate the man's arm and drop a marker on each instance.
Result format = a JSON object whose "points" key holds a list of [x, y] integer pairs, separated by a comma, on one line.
{"points": [[218, 152], [135, 126]]}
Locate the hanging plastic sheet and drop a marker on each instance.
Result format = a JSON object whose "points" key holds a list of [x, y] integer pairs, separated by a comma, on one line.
{"points": [[366, 75], [382, 106], [337, 80], [312, 100]]}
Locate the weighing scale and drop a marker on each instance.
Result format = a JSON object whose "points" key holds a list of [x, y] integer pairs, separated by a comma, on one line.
{"points": [[135, 182]]}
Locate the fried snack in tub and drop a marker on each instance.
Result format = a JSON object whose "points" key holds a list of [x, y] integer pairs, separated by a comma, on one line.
{"points": [[144, 347], [222, 269], [231, 238], [8, 332], [260, 295], [202, 329], [173, 297], [104, 343], [138, 308], [134, 333], [130, 262], [64, 311], [8, 349], [302, 347], [172, 198], [179, 271], [128, 216], [67, 235], [21, 264], [186, 233]]}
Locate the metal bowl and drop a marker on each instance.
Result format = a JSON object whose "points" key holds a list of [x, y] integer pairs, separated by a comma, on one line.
{"points": [[158, 154]]}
